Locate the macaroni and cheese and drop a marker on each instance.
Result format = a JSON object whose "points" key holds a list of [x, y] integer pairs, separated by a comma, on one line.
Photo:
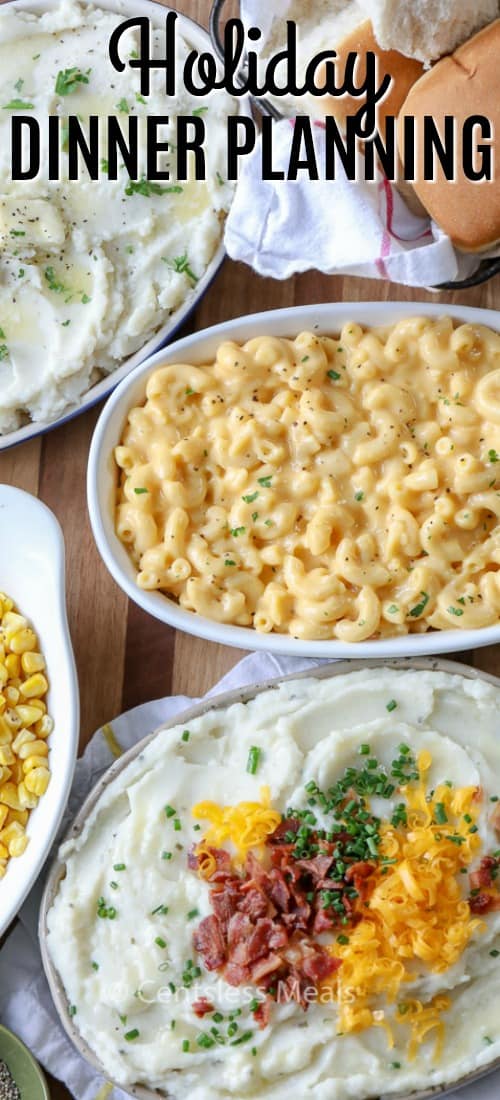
{"points": [[327, 487]]}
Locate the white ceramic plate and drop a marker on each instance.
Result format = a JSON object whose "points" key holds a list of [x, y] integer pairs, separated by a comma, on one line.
{"points": [[201, 40], [240, 695], [201, 348], [32, 572]]}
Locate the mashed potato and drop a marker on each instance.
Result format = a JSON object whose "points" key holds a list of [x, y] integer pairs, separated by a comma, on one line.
{"points": [[125, 929], [89, 271]]}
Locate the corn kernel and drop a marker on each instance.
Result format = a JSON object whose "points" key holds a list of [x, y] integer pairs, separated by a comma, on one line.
{"points": [[31, 748], [13, 665], [45, 726], [32, 662], [24, 729], [17, 815], [27, 800], [9, 797], [6, 755], [37, 781], [32, 762], [18, 846], [28, 713], [23, 737], [36, 685], [23, 641]]}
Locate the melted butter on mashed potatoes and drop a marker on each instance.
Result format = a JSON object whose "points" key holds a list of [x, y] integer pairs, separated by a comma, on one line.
{"points": [[120, 931], [87, 272]]}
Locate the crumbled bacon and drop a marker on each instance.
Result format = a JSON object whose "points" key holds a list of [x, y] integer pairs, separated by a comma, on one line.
{"points": [[202, 1007], [262, 1014], [485, 875], [209, 943], [484, 897], [263, 925]]}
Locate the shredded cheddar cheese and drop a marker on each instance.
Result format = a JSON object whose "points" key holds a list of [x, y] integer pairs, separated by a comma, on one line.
{"points": [[246, 825], [417, 911]]}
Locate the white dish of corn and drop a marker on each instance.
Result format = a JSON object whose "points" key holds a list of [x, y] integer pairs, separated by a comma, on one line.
{"points": [[39, 706]]}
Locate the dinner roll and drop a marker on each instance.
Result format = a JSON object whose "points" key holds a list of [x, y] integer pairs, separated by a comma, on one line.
{"points": [[462, 85], [427, 29]]}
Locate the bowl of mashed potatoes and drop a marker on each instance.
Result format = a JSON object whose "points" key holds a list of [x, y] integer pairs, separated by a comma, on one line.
{"points": [[311, 481], [293, 886], [95, 274]]}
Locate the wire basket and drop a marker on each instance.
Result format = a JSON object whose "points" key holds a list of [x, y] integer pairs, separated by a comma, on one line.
{"points": [[487, 268]]}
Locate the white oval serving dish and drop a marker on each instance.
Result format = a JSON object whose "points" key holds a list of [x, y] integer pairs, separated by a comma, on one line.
{"points": [[32, 573], [201, 40], [200, 348], [240, 695]]}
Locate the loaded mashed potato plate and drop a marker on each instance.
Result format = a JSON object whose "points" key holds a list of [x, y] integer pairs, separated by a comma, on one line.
{"points": [[297, 891]]}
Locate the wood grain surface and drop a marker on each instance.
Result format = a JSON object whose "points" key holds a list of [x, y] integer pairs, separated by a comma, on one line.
{"points": [[123, 656]]}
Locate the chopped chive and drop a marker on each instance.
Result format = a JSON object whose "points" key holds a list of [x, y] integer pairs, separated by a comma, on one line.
{"points": [[253, 760]]}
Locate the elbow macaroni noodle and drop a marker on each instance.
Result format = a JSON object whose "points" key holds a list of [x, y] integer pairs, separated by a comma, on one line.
{"points": [[324, 487]]}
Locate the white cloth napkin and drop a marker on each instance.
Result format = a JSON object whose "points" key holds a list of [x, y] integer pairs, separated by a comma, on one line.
{"points": [[284, 227], [25, 1001]]}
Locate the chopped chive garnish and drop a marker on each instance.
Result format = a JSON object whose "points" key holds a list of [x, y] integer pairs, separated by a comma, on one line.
{"points": [[131, 1035], [253, 760], [391, 705]]}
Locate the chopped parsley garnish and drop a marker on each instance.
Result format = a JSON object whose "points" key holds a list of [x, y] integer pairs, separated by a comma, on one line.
{"points": [[18, 105], [4, 352], [123, 107], [359, 496], [229, 561], [131, 1035], [249, 499], [68, 79], [455, 611], [334, 375], [492, 456], [237, 531], [181, 265], [147, 188], [253, 760], [104, 911], [420, 607], [53, 283], [265, 481], [193, 913]]}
